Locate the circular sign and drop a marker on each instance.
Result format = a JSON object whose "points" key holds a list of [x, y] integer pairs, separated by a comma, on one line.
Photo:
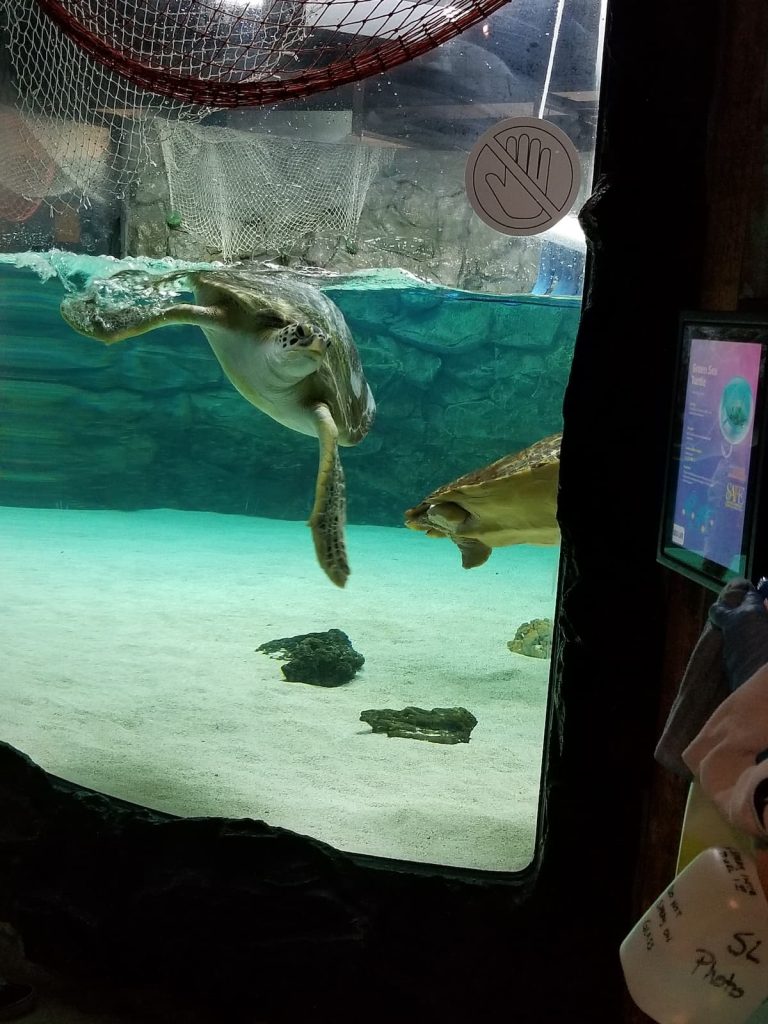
{"points": [[522, 176]]}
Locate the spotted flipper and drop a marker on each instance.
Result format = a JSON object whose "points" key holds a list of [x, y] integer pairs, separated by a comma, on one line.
{"points": [[330, 507]]}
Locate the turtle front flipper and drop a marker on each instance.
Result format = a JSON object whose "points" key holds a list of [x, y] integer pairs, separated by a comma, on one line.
{"points": [[330, 507], [132, 302], [86, 315]]}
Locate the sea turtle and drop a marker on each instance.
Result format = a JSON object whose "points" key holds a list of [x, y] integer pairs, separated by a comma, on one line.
{"points": [[283, 344], [512, 501]]}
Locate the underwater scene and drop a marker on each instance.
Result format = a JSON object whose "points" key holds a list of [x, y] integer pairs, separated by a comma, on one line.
{"points": [[176, 635]]}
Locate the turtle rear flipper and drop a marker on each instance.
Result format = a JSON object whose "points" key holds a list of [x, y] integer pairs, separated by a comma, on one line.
{"points": [[329, 510]]}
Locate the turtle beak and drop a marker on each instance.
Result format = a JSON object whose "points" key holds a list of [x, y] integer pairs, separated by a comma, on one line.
{"points": [[304, 339], [312, 340], [316, 346]]}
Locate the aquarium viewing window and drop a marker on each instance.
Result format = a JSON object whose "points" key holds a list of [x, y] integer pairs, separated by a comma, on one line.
{"points": [[710, 526], [153, 522]]}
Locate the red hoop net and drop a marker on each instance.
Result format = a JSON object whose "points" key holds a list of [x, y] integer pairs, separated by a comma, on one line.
{"points": [[230, 53]]}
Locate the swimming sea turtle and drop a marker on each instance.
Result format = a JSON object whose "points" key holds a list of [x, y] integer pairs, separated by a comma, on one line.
{"points": [[512, 501], [283, 344]]}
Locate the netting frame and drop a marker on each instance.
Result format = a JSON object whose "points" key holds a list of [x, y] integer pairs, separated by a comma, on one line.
{"points": [[208, 92]]}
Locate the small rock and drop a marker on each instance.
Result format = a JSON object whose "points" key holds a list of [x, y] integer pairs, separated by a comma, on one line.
{"points": [[322, 659], [440, 725], [533, 639]]}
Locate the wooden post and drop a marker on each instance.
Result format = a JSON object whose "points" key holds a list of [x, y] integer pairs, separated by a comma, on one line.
{"points": [[735, 194]]}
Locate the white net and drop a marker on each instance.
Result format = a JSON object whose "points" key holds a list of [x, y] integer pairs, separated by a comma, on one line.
{"points": [[77, 132], [240, 193]]}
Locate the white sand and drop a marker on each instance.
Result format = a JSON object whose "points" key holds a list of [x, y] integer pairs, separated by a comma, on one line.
{"points": [[128, 665]]}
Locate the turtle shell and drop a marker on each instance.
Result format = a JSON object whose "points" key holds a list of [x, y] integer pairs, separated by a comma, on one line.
{"points": [[510, 501], [272, 298]]}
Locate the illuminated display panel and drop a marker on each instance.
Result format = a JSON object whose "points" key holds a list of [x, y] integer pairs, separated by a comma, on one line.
{"points": [[710, 528]]}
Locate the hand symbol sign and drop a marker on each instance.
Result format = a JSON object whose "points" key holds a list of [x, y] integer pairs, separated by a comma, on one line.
{"points": [[533, 160], [522, 175]]}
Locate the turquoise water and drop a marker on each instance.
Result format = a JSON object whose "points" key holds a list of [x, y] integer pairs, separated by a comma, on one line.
{"points": [[460, 379], [152, 535]]}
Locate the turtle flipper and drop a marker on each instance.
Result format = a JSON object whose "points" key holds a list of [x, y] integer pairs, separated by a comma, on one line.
{"points": [[473, 552], [330, 507], [112, 325], [133, 302]]}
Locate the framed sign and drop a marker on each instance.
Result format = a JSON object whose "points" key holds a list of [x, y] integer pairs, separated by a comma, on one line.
{"points": [[713, 523]]}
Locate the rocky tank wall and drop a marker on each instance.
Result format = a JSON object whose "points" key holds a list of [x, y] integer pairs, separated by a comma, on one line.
{"points": [[415, 217], [460, 379]]}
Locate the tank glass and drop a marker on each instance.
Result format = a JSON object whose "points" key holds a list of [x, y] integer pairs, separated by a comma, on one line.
{"points": [[169, 634]]}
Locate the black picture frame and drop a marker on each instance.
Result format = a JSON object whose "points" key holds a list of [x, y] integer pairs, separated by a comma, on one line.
{"points": [[710, 525]]}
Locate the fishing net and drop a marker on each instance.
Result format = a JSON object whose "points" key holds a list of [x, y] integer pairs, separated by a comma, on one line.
{"points": [[81, 134], [228, 53], [102, 90], [241, 192], [20, 152], [76, 129]]}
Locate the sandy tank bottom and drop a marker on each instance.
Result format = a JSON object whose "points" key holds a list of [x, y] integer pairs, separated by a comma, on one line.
{"points": [[130, 666]]}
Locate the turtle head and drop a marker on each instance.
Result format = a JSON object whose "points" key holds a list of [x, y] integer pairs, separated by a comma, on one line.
{"points": [[300, 348]]}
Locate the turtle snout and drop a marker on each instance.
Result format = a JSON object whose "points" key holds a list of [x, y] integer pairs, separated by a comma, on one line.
{"points": [[304, 336], [307, 334]]}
